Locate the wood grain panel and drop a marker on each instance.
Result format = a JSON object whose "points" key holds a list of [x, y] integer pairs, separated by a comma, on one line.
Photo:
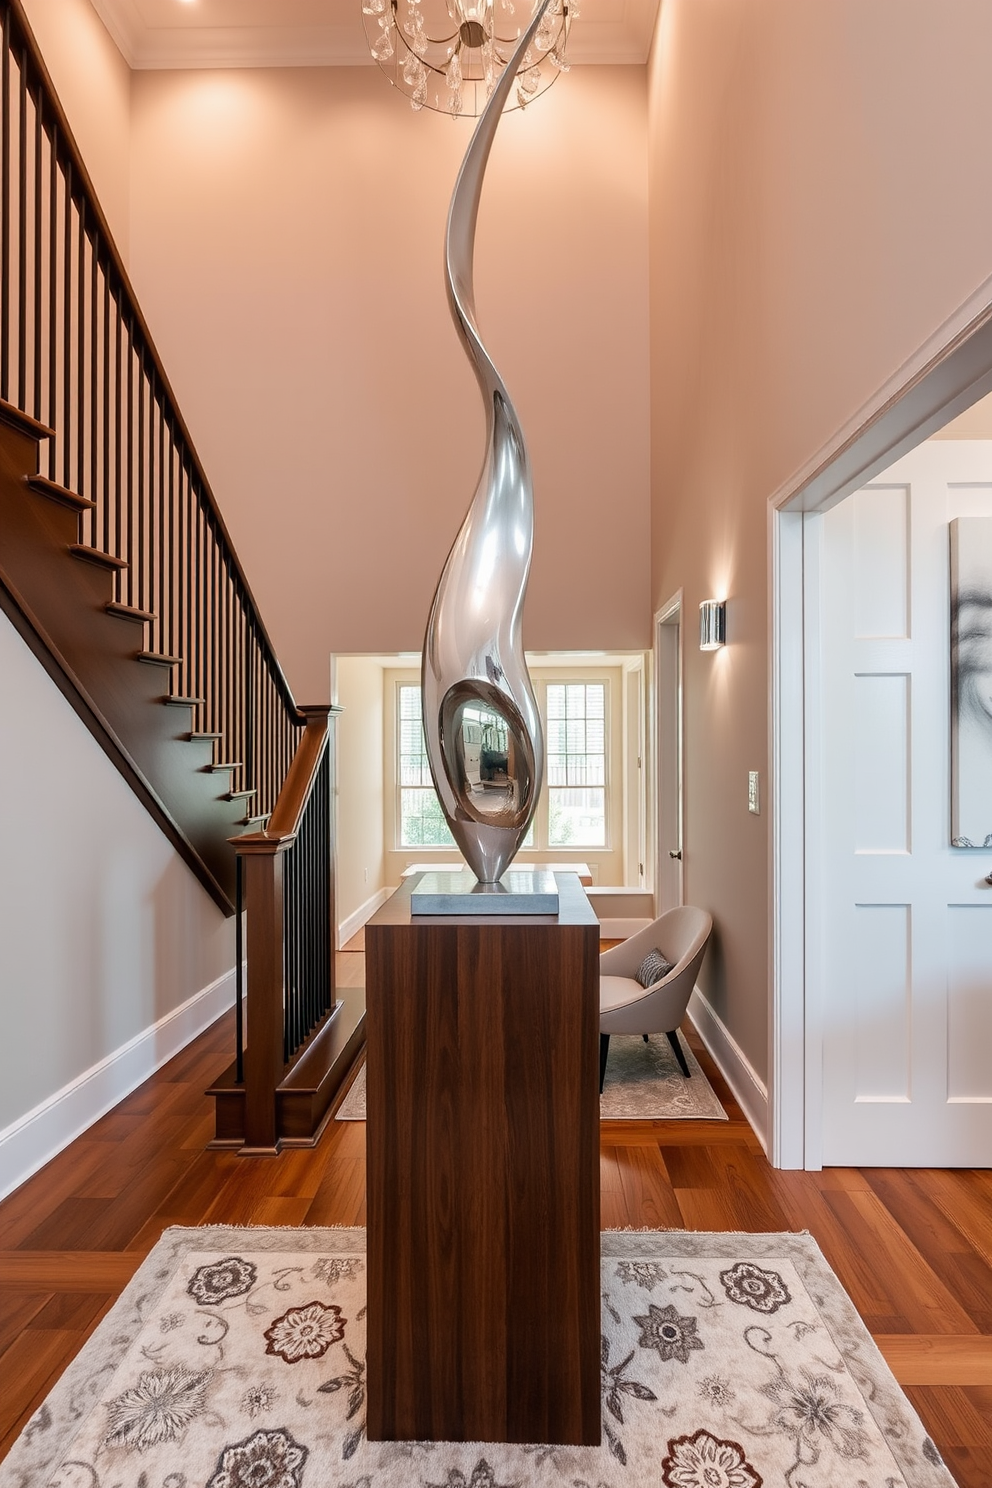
{"points": [[483, 1183]]}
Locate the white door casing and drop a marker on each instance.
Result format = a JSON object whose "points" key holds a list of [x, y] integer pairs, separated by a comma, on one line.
{"points": [[634, 776], [902, 930], [669, 880]]}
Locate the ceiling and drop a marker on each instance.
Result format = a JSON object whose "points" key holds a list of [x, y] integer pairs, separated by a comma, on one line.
{"points": [[320, 33]]}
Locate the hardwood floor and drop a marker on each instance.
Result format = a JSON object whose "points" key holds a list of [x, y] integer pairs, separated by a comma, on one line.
{"points": [[913, 1248]]}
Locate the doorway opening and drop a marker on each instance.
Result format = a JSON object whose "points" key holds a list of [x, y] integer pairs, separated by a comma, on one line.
{"points": [[815, 785]]}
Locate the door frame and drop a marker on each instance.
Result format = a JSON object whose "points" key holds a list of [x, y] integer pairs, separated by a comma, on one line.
{"points": [[635, 771], [666, 619], [952, 370]]}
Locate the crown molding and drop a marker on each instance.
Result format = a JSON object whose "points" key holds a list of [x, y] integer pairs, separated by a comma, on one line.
{"points": [[624, 37]]}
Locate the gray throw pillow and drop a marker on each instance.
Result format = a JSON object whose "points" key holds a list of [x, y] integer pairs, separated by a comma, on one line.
{"points": [[654, 966]]}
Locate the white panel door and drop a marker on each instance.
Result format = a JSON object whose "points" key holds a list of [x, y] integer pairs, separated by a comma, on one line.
{"points": [[905, 924]]}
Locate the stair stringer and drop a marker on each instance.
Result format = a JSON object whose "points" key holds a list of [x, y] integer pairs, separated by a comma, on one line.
{"points": [[58, 604]]}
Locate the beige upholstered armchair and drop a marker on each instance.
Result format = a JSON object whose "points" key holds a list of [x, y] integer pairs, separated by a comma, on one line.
{"points": [[627, 1007]]}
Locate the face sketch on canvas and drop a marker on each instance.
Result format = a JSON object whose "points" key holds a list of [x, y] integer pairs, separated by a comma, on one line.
{"points": [[971, 653], [973, 641]]}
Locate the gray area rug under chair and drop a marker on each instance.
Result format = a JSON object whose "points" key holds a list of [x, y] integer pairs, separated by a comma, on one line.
{"points": [[235, 1358], [643, 1083]]}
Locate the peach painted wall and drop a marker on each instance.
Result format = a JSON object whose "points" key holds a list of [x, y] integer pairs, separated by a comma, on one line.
{"points": [[94, 86], [286, 241], [817, 212]]}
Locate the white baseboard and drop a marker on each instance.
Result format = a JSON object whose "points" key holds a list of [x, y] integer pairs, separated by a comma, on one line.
{"points": [[354, 922], [749, 1089], [32, 1140], [621, 929]]}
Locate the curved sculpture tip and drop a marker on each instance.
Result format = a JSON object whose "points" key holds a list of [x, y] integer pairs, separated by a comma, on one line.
{"points": [[481, 724]]}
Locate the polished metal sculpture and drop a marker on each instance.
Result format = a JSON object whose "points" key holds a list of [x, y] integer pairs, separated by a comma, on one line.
{"points": [[483, 731]]}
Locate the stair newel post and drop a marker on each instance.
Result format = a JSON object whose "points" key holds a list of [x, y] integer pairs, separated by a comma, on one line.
{"points": [[286, 872], [263, 1055]]}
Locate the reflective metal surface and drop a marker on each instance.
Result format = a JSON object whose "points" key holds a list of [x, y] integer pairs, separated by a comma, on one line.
{"points": [[481, 724]]}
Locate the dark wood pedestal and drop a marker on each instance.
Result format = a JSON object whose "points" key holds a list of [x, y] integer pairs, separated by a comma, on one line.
{"points": [[483, 1174]]}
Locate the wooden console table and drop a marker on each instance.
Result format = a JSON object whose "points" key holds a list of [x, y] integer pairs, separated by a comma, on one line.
{"points": [[483, 1174]]}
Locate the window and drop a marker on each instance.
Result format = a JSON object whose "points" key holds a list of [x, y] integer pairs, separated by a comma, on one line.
{"points": [[575, 810], [422, 822], [576, 757]]}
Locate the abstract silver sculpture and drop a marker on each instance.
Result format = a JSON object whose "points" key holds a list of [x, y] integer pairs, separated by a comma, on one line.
{"points": [[481, 724]]}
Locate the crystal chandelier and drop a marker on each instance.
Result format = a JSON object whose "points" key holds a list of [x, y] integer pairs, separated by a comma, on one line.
{"points": [[448, 54]]}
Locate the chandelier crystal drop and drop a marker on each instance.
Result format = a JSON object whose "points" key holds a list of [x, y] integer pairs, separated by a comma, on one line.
{"points": [[448, 55]]}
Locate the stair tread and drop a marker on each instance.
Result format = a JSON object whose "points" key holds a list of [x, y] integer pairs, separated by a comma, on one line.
{"points": [[128, 612], [158, 658], [239, 795], [225, 764], [93, 555], [184, 702], [200, 734], [45, 487], [23, 422]]}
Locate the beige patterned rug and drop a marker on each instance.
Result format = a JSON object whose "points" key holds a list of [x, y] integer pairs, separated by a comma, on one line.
{"points": [[236, 1359], [643, 1083]]}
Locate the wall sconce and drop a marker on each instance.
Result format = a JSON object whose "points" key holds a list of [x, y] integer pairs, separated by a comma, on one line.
{"points": [[712, 624]]}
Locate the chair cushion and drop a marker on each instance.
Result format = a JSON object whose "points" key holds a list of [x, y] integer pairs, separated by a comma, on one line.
{"points": [[617, 992], [654, 966]]}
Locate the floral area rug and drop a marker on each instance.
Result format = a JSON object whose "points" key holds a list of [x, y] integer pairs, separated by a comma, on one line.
{"points": [[236, 1359], [643, 1083]]}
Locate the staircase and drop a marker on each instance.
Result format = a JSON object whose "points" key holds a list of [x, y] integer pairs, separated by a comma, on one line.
{"points": [[117, 569]]}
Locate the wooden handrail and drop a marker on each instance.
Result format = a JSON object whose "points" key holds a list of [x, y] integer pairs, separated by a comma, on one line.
{"points": [[284, 824]]}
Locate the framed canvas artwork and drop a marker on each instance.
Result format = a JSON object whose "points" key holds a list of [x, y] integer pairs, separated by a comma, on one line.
{"points": [[971, 682]]}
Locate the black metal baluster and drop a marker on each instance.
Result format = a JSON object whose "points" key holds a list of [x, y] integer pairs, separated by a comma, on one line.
{"points": [[80, 486], [94, 490], [142, 605], [189, 609], [184, 601], [150, 484], [107, 530], [129, 426], [229, 667], [308, 926], [66, 431], [53, 293], [39, 136], [175, 547], [118, 437], [211, 691], [239, 978], [249, 740], [195, 579], [22, 231], [5, 206], [163, 556]]}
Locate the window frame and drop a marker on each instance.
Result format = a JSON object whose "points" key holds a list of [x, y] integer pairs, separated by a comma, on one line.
{"points": [[540, 847]]}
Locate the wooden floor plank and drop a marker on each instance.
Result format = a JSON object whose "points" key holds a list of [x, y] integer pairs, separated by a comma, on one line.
{"points": [[647, 1191], [924, 1297], [938, 1358], [66, 1270]]}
